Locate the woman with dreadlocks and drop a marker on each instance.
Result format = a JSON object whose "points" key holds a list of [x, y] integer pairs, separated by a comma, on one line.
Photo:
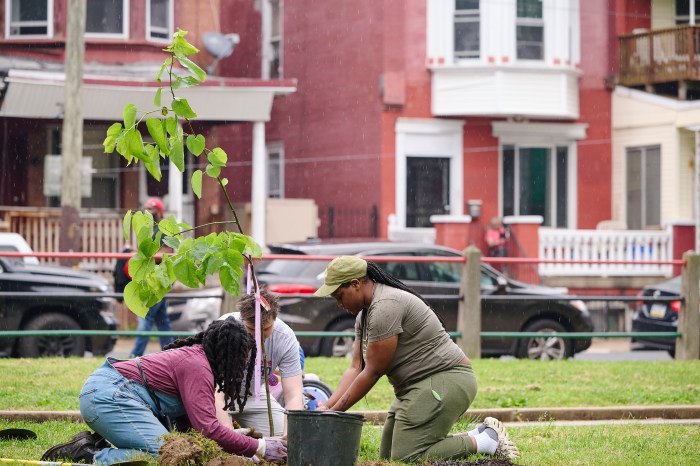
{"points": [[400, 336], [125, 402]]}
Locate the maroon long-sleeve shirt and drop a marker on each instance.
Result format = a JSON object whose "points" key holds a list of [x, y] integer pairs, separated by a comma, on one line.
{"points": [[185, 373]]}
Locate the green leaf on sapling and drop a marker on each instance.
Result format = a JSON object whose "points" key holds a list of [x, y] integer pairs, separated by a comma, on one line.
{"points": [[171, 126], [213, 171], [132, 298], [184, 226], [196, 144], [161, 274], [156, 99], [182, 109], [234, 258], [224, 182], [129, 114], [177, 155], [140, 266], [199, 250], [184, 83], [217, 157], [229, 281], [168, 61], [134, 143], [169, 226], [171, 242], [186, 272], [214, 263], [192, 67], [156, 128], [197, 183], [126, 225], [180, 46]]}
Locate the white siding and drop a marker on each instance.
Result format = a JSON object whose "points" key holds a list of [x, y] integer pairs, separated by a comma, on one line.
{"points": [[505, 91], [663, 14], [641, 120]]}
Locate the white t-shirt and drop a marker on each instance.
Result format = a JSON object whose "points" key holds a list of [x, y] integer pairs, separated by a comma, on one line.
{"points": [[282, 350]]}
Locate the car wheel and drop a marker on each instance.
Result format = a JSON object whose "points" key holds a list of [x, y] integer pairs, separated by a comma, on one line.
{"points": [[545, 347], [43, 346], [339, 346]]}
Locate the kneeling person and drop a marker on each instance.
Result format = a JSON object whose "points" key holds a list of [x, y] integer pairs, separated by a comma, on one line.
{"points": [[283, 366]]}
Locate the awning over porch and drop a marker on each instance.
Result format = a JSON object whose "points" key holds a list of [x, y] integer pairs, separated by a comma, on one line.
{"points": [[41, 94]]}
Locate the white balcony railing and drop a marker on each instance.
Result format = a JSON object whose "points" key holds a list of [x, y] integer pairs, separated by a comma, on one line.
{"points": [[605, 245]]}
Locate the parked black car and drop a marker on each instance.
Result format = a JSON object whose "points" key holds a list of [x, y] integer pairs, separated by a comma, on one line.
{"points": [[654, 316], [438, 283], [42, 309]]}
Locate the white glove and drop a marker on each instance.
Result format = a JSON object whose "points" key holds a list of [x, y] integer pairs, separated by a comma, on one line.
{"points": [[243, 430]]}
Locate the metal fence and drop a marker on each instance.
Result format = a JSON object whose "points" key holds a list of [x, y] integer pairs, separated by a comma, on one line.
{"points": [[469, 336]]}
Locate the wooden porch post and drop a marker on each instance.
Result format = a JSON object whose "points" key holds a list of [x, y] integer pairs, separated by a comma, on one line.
{"points": [[469, 310], [688, 345]]}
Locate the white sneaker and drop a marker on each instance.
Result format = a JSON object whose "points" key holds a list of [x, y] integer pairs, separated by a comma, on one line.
{"points": [[506, 448]]}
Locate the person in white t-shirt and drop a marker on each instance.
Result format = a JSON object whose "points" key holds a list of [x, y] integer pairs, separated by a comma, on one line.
{"points": [[283, 366]]}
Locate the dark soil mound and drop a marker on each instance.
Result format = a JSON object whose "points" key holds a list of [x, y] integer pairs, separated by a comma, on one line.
{"points": [[479, 462]]}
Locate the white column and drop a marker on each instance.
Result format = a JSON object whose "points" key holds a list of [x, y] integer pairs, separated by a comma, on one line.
{"points": [[259, 177], [174, 191]]}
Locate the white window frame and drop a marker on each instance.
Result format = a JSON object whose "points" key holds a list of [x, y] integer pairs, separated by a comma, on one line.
{"points": [[467, 16], [149, 26], [125, 28], [277, 148], [542, 135], [268, 39], [417, 137], [9, 23], [530, 22]]}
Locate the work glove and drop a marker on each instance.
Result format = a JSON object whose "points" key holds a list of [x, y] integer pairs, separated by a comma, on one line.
{"points": [[249, 432], [275, 450]]}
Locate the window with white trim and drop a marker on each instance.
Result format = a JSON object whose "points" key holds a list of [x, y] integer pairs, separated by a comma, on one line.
{"points": [[643, 170], [29, 18], [529, 30], [107, 18], [683, 11], [272, 54], [535, 181], [275, 170], [159, 20], [466, 29]]}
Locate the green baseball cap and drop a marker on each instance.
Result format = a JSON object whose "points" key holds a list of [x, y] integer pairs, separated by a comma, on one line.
{"points": [[341, 270]]}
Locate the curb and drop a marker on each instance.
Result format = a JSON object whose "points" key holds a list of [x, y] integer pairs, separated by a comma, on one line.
{"points": [[609, 413]]}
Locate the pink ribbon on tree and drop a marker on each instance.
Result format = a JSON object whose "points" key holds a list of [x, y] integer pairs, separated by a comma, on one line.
{"points": [[258, 333]]}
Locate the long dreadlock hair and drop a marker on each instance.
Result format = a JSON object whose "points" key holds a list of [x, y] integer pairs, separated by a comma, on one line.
{"points": [[231, 352], [379, 275]]}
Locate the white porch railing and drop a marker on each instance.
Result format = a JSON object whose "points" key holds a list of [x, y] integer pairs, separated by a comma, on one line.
{"points": [[605, 245]]}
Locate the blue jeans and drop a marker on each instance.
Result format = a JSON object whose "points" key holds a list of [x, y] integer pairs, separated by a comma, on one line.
{"points": [[123, 412], [157, 315]]}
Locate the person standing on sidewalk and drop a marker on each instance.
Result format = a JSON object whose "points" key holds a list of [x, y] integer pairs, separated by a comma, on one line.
{"points": [[398, 334], [158, 313]]}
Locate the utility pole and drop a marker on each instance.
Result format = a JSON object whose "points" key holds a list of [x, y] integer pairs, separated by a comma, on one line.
{"points": [[72, 134]]}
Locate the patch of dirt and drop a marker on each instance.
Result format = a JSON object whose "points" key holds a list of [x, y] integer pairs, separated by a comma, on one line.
{"points": [[230, 460], [479, 462], [193, 449], [180, 451]]}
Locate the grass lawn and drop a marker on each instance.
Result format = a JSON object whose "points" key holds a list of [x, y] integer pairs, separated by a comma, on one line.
{"points": [[54, 384]]}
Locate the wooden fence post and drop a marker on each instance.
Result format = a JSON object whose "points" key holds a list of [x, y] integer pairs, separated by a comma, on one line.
{"points": [[469, 310], [688, 345]]}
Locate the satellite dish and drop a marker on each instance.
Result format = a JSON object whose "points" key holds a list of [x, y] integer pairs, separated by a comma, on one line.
{"points": [[219, 46]]}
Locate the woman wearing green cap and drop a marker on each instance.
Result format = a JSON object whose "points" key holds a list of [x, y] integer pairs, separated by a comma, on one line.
{"points": [[400, 336]]}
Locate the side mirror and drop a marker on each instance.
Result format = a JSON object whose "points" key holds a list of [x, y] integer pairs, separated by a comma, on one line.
{"points": [[502, 283]]}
